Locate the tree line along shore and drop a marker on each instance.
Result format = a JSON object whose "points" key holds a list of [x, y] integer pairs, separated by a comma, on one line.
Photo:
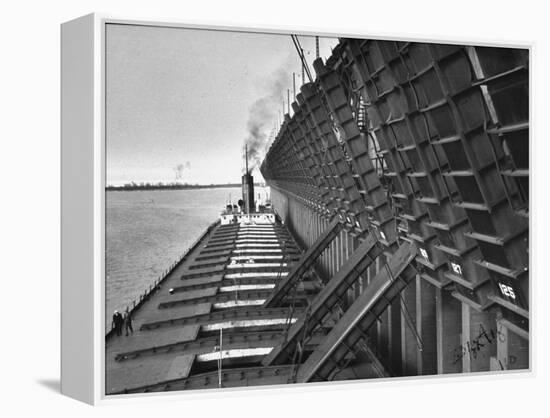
{"points": [[175, 186]]}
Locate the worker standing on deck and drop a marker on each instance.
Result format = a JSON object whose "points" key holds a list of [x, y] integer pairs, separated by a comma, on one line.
{"points": [[117, 322], [128, 322]]}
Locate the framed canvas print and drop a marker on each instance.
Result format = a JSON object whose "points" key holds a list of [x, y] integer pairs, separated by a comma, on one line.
{"points": [[255, 207]]}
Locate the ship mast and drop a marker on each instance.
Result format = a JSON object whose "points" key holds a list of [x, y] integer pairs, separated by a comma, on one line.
{"points": [[246, 158], [247, 180]]}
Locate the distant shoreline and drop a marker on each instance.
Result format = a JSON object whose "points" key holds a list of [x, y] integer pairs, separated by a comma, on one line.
{"points": [[138, 187]]}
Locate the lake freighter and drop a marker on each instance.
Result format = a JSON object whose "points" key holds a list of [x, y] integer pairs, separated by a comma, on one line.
{"points": [[396, 242], [206, 320]]}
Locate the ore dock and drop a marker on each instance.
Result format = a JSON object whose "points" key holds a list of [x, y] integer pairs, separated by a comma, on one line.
{"points": [[395, 243]]}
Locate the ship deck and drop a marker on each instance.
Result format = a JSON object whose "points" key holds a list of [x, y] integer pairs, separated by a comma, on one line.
{"points": [[247, 307], [221, 284]]}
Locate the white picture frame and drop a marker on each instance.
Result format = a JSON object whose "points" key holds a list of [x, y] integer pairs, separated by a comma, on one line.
{"points": [[83, 202]]}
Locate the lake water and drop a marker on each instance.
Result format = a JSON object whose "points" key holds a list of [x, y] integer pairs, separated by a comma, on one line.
{"points": [[146, 231]]}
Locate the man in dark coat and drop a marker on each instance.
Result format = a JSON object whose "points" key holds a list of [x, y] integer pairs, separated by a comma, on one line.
{"points": [[128, 322], [118, 320]]}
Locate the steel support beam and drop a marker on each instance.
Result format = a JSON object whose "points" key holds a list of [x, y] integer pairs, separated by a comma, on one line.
{"points": [[350, 333], [308, 259], [332, 295]]}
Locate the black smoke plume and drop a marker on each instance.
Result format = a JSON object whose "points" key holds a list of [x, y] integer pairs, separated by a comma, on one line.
{"points": [[263, 113]]}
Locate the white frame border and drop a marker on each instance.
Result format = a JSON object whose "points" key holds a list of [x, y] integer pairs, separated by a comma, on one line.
{"points": [[99, 137]]}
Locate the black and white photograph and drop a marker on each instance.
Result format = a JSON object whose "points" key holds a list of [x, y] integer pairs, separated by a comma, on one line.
{"points": [[265, 209], [286, 208], [291, 209]]}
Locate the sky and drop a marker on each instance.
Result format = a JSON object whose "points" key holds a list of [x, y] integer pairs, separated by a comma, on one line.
{"points": [[180, 103]]}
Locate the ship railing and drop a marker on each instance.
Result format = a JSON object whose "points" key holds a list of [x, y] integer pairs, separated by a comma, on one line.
{"points": [[155, 285]]}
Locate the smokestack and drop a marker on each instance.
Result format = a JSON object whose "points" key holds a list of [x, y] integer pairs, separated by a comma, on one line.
{"points": [[248, 192], [247, 187]]}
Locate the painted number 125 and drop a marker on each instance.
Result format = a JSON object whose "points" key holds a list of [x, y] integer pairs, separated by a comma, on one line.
{"points": [[507, 291]]}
